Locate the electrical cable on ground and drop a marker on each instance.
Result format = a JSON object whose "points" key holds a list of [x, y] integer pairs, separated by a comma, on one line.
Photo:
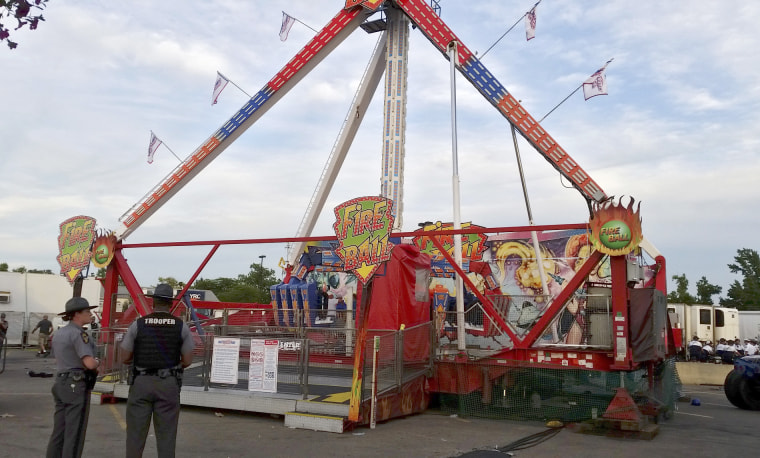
{"points": [[530, 441], [520, 444]]}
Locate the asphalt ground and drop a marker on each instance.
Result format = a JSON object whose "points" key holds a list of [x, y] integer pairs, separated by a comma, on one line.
{"points": [[714, 428]]}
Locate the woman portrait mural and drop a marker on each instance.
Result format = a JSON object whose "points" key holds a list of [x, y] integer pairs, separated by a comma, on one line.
{"points": [[517, 269]]}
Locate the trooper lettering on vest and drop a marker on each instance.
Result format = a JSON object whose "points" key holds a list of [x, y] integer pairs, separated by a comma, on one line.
{"points": [[158, 342]]}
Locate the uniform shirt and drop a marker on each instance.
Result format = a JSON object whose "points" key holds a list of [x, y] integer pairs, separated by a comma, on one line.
{"points": [[707, 348], [71, 343], [751, 349], [695, 343], [128, 343], [721, 347]]}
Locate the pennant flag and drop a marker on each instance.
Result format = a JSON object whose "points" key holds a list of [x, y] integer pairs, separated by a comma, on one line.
{"points": [[155, 142], [530, 24], [221, 83], [287, 23], [596, 84]]}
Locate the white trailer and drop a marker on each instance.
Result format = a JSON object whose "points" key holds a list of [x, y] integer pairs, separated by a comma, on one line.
{"points": [[26, 297], [749, 322], [707, 322]]}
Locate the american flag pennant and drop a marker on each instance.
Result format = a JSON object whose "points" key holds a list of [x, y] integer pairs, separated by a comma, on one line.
{"points": [[530, 24], [221, 83], [596, 84], [287, 23], [155, 142]]}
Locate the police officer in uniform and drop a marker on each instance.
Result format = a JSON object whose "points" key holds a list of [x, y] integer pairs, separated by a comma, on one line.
{"points": [[159, 346], [77, 367]]}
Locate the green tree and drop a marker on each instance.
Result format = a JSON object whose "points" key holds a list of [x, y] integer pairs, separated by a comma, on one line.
{"points": [[4, 267], [21, 11], [101, 272], [171, 281], [706, 290], [40, 271], [744, 295], [20, 270], [251, 287], [681, 294]]}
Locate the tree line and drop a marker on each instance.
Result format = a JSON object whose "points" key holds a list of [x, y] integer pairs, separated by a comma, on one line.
{"points": [[742, 295], [250, 287]]}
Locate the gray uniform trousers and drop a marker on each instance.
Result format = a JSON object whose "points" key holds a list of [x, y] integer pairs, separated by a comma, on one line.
{"points": [[72, 408], [153, 396]]}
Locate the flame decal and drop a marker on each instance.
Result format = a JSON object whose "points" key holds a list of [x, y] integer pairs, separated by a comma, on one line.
{"points": [[103, 248], [616, 228]]}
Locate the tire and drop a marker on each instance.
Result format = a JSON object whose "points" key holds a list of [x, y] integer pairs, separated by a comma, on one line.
{"points": [[750, 393], [732, 387]]}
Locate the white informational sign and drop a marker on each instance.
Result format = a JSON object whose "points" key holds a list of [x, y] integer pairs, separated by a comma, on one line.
{"points": [[262, 368], [224, 360]]}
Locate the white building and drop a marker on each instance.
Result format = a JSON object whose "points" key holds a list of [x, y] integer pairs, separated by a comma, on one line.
{"points": [[26, 297]]}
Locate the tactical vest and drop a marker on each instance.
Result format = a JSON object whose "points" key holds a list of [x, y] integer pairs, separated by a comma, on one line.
{"points": [[158, 342]]}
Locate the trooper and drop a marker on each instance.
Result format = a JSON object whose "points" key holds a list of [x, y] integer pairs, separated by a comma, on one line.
{"points": [[77, 368], [158, 346]]}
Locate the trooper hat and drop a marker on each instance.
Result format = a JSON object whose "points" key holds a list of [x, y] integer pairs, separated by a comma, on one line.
{"points": [[76, 304], [163, 291]]}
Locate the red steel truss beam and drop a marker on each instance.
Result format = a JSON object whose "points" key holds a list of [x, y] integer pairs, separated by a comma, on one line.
{"points": [[551, 312]]}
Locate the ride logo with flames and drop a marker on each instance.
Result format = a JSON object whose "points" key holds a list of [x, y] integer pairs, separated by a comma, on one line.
{"points": [[616, 228], [363, 226], [103, 249], [74, 244], [473, 245]]}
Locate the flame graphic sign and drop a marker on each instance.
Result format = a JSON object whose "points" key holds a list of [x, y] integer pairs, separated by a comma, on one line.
{"points": [[363, 226], [74, 243], [615, 228]]}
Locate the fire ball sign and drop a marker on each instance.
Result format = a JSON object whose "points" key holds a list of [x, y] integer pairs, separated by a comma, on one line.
{"points": [[616, 228], [363, 226], [74, 244]]}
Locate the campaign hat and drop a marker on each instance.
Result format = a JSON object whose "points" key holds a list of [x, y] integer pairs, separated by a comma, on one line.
{"points": [[76, 304], [163, 291]]}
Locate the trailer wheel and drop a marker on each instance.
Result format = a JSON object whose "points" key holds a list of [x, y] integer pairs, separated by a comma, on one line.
{"points": [[750, 393], [732, 387]]}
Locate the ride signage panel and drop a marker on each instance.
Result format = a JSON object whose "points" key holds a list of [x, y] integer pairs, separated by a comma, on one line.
{"points": [[74, 243], [363, 226], [615, 228], [103, 249]]}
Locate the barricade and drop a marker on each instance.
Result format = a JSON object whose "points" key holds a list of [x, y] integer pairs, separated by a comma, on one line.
{"points": [[310, 360]]}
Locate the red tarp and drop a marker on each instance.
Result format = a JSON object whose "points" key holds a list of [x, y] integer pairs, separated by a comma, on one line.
{"points": [[400, 296]]}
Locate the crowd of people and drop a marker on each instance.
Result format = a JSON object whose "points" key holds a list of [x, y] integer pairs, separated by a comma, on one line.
{"points": [[726, 351]]}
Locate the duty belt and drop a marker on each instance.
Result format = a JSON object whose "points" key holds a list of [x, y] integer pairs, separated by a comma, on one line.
{"points": [[75, 375], [163, 373]]}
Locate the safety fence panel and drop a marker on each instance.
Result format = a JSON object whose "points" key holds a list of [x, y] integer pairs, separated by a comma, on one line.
{"points": [[311, 361], [545, 392], [401, 356]]}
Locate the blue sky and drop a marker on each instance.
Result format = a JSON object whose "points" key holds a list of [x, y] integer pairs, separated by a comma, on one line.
{"points": [[678, 130]]}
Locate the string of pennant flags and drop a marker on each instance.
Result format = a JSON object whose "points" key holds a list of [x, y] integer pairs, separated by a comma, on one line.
{"points": [[594, 85]]}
